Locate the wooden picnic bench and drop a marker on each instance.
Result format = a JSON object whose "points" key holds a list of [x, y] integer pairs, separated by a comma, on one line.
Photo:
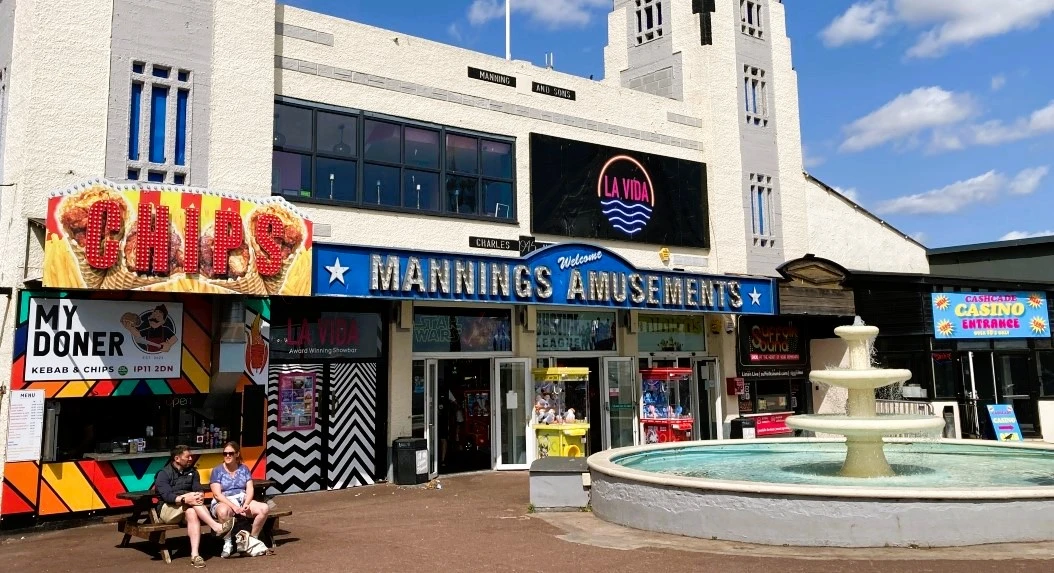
{"points": [[145, 523]]}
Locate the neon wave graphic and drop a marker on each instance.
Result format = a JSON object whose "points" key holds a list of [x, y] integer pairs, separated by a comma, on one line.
{"points": [[626, 217], [610, 203]]}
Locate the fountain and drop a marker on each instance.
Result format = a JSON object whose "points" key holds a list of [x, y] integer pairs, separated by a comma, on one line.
{"points": [[841, 492], [862, 427]]}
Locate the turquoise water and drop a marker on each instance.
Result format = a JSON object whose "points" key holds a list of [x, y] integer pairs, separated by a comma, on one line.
{"points": [[917, 464]]}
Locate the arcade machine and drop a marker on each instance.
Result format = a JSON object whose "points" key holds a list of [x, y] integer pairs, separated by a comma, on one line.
{"points": [[665, 409], [561, 402]]}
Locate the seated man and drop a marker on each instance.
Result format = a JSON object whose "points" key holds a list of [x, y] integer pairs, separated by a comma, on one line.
{"points": [[179, 488]]}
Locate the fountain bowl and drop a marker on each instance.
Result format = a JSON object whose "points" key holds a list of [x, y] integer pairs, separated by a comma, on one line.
{"points": [[883, 425], [1015, 503], [867, 379]]}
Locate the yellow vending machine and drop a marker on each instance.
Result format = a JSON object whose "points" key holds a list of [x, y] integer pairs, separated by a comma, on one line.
{"points": [[561, 402]]}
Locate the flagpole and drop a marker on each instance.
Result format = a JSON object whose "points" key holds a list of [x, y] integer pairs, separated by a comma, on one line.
{"points": [[508, 38]]}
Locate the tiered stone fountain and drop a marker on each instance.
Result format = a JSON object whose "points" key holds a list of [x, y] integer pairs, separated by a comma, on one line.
{"points": [[862, 427], [826, 492]]}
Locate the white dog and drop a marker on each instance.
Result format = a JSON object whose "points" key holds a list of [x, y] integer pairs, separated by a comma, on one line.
{"points": [[251, 546]]}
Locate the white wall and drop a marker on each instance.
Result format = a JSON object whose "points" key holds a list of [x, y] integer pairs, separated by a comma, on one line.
{"points": [[847, 234]]}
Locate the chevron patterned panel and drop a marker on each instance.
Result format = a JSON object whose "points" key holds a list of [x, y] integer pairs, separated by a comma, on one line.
{"points": [[293, 458], [352, 424]]}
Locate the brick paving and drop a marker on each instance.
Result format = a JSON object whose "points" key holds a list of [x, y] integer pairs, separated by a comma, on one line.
{"points": [[480, 522]]}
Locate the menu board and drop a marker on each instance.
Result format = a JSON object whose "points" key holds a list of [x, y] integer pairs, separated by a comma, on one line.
{"points": [[297, 398], [26, 426]]}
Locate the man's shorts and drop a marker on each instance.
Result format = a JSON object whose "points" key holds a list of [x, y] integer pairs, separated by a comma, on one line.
{"points": [[172, 513]]}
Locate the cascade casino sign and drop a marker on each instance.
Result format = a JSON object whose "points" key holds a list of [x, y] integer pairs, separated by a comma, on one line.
{"points": [[570, 274]]}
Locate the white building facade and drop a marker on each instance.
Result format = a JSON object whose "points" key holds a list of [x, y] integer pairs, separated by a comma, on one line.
{"points": [[388, 142]]}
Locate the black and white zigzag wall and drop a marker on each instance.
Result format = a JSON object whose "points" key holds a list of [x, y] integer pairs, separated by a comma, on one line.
{"points": [[294, 458], [352, 425]]}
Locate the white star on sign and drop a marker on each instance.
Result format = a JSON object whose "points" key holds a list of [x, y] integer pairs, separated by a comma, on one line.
{"points": [[755, 296], [336, 272]]}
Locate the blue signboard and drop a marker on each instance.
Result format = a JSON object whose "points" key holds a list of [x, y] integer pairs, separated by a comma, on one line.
{"points": [[568, 274], [1004, 422], [990, 315]]}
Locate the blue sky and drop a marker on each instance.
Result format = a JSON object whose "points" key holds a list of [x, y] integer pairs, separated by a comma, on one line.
{"points": [[938, 116]]}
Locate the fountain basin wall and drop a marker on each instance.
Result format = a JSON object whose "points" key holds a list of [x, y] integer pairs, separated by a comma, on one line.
{"points": [[810, 515]]}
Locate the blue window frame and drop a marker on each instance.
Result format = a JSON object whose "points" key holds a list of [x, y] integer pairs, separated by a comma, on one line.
{"points": [[182, 97], [158, 108], [761, 212], [133, 174], [135, 109], [156, 176]]}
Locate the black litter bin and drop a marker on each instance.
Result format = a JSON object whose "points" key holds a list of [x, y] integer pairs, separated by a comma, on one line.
{"points": [[410, 461], [743, 428]]}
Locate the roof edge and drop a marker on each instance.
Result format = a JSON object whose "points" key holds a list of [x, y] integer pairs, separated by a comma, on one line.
{"points": [[858, 207]]}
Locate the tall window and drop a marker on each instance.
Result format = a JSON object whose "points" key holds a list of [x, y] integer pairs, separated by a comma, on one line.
{"points": [[359, 159], [649, 20], [761, 209], [755, 94], [158, 123], [750, 18]]}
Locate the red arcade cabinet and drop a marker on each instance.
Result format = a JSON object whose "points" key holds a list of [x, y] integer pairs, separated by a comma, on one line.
{"points": [[665, 410]]}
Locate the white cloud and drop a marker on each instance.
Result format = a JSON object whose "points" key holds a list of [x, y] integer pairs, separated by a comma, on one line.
{"points": [[961, 194], [998, 82], [996, 132], [810, 160], [550, 13], [851, 193], [907, 115], [861, 22], [454, 31], [1026, 182], [963, 22], [1015, 235], [945, 23]]}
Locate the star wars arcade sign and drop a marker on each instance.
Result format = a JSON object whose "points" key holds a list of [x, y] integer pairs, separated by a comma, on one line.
{"points": [[140, 237], [569, 274]]}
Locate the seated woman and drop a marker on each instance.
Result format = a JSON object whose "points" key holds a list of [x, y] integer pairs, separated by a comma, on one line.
{"points": [[232, 493]]}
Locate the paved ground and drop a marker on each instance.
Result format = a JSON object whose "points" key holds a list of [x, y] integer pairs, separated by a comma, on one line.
{"points": [[480, 523]]}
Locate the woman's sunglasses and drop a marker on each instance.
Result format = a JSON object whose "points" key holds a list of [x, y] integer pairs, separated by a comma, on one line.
{"points": [[230, 454]]}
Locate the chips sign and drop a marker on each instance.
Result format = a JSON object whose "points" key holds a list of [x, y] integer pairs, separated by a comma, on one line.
{"points": [[175, 239]]}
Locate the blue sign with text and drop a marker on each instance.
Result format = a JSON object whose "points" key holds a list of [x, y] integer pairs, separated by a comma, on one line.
{"points": [[1004, 422], [990, 315], [568, 274]]}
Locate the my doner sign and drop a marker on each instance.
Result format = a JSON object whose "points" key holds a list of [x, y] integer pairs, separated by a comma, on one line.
{"points": [[73, 339]]}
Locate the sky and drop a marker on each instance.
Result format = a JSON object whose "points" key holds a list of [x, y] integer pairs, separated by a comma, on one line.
{"points": [[937, 116]]}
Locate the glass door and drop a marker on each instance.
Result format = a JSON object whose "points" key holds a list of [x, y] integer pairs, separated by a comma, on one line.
{"points": [[511, 388], [702, 400], [620, 402], [1014, 383], [424, 413]]}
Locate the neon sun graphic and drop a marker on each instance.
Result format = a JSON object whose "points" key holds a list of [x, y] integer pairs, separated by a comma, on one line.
{"points": [[626, 194]]}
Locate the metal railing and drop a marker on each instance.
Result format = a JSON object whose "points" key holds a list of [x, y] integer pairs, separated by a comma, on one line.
{"points": [[903, 407]]}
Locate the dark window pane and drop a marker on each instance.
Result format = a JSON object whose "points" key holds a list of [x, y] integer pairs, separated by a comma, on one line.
{"points": [[292, 127], [380, 185], [335, 179], [497, 199], [945, 374], [497, 159], [290, 174], [335, 134], [421, 190], [461, 154], [1045, 362], [383, 141], [422, 148], [461, 195]]}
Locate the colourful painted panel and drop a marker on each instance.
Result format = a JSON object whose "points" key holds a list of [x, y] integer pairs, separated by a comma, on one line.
{"points": [[71, 485], [107, 483], [21, 481], [138, 474], [197, 352]]}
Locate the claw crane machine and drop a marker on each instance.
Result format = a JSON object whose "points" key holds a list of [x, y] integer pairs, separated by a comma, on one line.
{"points": [[561, 404], [665, 406]]}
